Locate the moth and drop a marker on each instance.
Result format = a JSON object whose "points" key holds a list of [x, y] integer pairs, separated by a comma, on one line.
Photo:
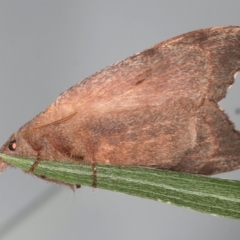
{"points": [[158, 108]]}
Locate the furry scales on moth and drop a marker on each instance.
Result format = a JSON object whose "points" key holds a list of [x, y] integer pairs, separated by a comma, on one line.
{"points": [[158, 108]]}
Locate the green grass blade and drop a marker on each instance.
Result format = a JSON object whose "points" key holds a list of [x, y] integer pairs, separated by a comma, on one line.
{"points": [[204, 194]]}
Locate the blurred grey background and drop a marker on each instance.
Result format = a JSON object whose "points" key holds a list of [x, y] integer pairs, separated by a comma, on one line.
{"points": [[46, 46]]}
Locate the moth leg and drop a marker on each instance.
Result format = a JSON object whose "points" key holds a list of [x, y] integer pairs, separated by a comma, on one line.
{"points": [[94, 169], [91, 157], [34, 165]]}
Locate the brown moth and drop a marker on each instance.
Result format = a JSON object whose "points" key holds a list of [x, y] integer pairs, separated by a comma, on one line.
{"points": [[158, 108]]}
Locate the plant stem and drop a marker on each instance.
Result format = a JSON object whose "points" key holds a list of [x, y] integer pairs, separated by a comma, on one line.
{"points": [[204, 194]]}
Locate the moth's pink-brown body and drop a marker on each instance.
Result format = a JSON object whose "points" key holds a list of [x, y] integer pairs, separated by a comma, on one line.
{"points": [[158, 108]]}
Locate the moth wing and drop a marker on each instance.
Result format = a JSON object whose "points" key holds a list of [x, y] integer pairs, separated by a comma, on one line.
{"points": [[146, 79], [196, 65], [150, 78], [180, 77]]}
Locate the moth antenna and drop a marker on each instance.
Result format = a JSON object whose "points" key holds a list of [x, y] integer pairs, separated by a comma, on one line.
{"points": [[56, 122]]}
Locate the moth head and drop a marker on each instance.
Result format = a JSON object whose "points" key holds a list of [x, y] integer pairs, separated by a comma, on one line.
{"points": [[18, 146]]}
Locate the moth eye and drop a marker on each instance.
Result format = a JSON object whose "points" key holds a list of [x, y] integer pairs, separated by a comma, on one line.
{"points": [[12, 145]]}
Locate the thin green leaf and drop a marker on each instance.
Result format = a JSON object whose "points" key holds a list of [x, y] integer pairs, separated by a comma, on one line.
{"points": [[204, 194]]}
